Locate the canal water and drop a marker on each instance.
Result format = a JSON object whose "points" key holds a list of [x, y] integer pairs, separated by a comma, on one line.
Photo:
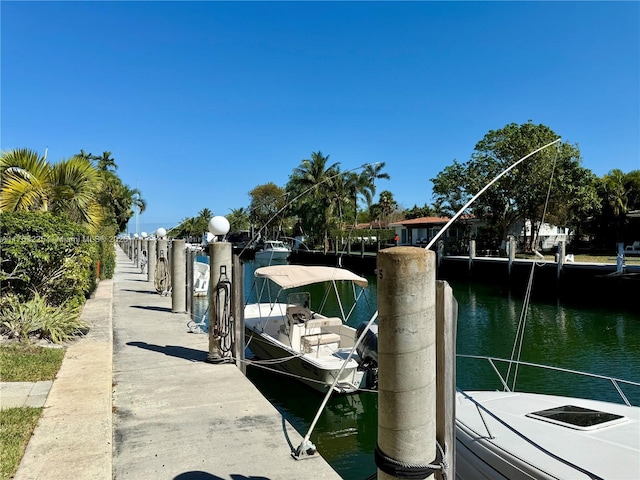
{"points": [[574, 337]]}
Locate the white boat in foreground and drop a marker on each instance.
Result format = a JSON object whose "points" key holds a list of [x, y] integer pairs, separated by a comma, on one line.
{"points": [[293, 338], [520, 435], [272, 251]]}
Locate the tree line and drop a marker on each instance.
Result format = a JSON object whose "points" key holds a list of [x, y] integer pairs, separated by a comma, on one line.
{"points": [[551, 186]]}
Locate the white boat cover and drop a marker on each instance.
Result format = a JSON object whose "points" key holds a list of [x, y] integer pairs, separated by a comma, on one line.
{"points": [[291, 276]]}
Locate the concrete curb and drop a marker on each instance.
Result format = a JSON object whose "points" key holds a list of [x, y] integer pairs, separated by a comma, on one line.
{"points": [[73, 438]]}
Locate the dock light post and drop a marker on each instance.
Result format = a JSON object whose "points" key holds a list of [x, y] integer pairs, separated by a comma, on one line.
{"points": [[161, 235], [220, 277]]}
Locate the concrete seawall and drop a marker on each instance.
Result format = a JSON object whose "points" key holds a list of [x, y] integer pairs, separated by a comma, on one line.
{"points": [[591, 283]]}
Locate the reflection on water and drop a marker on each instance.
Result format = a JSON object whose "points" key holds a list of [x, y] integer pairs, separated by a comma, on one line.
{"points": [[587, 339]]}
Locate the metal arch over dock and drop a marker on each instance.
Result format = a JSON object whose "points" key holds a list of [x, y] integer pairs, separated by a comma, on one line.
{"points": [[153, 408]]}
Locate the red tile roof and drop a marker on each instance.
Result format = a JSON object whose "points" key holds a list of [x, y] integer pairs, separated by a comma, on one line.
{"points": [[422, 221]]}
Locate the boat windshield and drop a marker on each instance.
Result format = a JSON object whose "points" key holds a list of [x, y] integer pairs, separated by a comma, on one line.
{"points": [[302, 299]]}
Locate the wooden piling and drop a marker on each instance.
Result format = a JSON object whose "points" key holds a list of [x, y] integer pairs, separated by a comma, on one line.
{"points": [[178, 276], [237, 307], [511, 245], [407, 367], [151, 260], [220, 254], [190, 254], [472, 252], [560, 257], [446, 327]]}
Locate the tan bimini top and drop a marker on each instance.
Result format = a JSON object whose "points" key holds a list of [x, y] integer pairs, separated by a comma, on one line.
{"points": [[291, 276]]}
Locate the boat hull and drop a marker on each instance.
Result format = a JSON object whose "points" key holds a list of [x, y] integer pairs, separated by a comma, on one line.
{"points": [[303, 368]]}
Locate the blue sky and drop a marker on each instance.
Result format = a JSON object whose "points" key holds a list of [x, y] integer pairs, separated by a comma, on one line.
{"points": [[200, 102]]}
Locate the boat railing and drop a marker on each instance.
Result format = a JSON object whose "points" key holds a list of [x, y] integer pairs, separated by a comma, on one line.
{"points": [[616, 382]]}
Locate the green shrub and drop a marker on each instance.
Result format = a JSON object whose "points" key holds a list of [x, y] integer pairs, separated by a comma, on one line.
{"points": [[36, 317], [107, 252], [47, 254]]}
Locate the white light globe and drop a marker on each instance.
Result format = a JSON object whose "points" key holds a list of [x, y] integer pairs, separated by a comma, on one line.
{"points": [[144, 234], [161, 232], [135, 235], [219, 225]]}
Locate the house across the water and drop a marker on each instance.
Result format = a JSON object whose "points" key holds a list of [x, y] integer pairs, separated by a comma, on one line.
{"points": [[420, 231]]}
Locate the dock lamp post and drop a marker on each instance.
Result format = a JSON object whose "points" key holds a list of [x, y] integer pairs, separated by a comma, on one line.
{"points": [[220, 348], [161, 235]]}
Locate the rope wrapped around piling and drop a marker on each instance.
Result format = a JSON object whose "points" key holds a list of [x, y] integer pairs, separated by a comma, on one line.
{"points": [[408, 471]]}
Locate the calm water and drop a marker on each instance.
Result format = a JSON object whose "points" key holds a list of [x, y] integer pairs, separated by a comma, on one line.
{"points": [[605, 342]]}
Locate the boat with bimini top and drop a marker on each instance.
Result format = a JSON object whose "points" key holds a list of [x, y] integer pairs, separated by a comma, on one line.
{"points": [[289, 335]]}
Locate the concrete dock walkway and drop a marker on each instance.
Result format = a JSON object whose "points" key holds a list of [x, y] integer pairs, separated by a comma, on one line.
{"points": [[142, 403]]}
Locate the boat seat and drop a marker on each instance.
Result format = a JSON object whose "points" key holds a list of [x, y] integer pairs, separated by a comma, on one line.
{"points": [[323, 322], [310, 341]]}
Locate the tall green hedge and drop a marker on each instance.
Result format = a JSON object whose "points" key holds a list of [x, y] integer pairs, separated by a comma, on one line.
{"points": [[45, 253], [106, 252]]}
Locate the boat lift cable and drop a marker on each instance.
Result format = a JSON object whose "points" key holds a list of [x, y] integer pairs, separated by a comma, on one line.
{"points": [[516, 351], [306, 446]]}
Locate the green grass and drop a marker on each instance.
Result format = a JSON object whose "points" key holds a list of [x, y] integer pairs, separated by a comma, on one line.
{"points": [[22, 363], [29, 363], [16, 428]]}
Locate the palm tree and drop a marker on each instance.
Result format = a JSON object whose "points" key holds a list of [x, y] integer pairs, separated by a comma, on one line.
{"points": [[314, 177], [371, 173], [25, 181], [239, 219], [87, 156], [30, 183], [105, 162], [387, 204]]}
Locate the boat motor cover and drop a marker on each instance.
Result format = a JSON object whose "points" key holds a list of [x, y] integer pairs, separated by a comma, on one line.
{"points": [[368, 348]]}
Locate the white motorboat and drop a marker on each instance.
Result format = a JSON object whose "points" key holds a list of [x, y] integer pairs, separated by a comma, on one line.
{"points": [[272, 251], [519, 435], [291, 337], [201, 276]]}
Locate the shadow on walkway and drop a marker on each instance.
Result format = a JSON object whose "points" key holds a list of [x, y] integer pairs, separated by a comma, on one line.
{"points": [[139, 291], [151, 307], [174, 351], [199, 475]]}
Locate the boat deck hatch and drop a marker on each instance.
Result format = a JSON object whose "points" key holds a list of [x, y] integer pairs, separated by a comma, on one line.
{"points": [[577, 417]]}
